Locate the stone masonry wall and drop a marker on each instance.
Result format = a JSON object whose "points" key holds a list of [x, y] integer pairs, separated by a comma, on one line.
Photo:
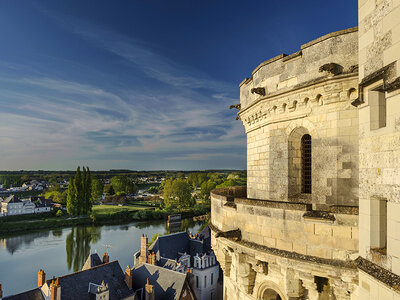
{"points": [[322, 110], [308, 92]]}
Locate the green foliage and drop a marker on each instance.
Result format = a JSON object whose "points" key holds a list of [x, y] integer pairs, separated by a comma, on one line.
{"points": [[97, 189], [59, 213], [153, 190], [197, 179], [177, 193], [109, 190], [154, 238], [123, 184], [79, 193], [205, 190], [10, 180], [71, 198]]}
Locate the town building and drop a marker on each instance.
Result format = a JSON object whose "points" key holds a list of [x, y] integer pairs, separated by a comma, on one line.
{"points": [[320, 215], [101, 279], [185, 253], [12, 205]]}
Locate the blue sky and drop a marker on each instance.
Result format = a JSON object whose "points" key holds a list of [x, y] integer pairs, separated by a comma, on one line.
{"points": [[142, 85]]}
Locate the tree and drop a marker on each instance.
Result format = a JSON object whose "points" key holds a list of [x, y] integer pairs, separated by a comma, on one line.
{"points": [[108, 189], [71, 198], [78, 190], [177, 193], [152, 190], [205, 190], [79, 193], [123, 184], [97, 189]]}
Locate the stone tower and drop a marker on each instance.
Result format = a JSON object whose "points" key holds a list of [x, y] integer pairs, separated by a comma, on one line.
{"points": [[320, 216], [293, 232]]}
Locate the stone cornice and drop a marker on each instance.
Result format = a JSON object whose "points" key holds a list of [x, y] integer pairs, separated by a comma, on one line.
{"points": [[288, 254], [298, 88], [388, 278]]}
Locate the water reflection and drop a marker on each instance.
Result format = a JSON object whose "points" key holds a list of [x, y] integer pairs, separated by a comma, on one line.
{"points": [[77, 245], [15, 243], [62, 251]]}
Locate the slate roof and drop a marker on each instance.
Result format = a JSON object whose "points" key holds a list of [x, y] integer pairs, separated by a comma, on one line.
{"points": [[168, 285], [34, 294], [75, 285], [167, 263], [12, 199], [93, 260], [169, 246], [205, 236], [172, 246]]}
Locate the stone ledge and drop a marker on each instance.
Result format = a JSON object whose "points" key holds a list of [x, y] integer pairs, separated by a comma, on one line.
{"points": [[344, 210], [328, 36], [388, 278], [288, 254], [323, 216], [274, 204]]}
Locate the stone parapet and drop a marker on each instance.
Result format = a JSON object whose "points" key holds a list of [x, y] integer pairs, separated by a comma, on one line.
{"points": [[292, 227]]}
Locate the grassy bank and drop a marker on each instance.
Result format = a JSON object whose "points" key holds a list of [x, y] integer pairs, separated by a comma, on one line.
{"points": [[102, 214]]}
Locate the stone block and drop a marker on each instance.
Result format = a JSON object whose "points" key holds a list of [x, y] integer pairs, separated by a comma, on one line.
{"points": [[319, 252], [269, 242], [299, 248], [284, 245], [391, 54], [342, 231], [323, 229]]}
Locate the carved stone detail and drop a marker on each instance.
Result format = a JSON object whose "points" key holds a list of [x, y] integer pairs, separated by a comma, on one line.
{"points": [[246, 275], [259, 90], [261, 267], [237, 106], [331, 68], [232, 234]]}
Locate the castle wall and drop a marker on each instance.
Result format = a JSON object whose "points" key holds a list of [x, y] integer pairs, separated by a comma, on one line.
{"points": [[283, 248], [273, 125], [379, 125]]}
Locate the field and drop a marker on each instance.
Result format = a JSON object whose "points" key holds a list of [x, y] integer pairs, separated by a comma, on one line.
{"points": [[110, 209]]}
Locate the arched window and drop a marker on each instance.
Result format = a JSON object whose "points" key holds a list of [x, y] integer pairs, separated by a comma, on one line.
{"points": [[306, 164]]}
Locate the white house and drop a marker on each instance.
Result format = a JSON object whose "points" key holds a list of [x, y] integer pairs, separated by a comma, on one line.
{"points": [[28, 207], [12, 206]]}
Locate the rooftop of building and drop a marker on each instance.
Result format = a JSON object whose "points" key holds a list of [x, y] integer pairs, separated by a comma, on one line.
{"points": [[167, 284]]}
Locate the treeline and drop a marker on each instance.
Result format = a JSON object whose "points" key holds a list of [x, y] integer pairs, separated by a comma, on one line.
{"points": [[10, 180], [120, 185], [178, 191]]}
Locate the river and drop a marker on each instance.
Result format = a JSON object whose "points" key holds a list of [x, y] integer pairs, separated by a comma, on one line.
{"points": [[62, 251]]}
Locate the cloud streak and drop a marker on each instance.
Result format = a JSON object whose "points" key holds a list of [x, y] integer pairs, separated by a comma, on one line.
{"points": [[180, 121]]}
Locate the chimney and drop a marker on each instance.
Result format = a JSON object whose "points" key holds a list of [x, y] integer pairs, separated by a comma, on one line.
{"points": [[55, 290], [143, 249], [1, 292], [149, 291], [128, 277], [41, 278], [106, 258]]}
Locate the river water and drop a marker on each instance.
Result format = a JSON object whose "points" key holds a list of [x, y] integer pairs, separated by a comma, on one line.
{"points": [[62, 251]]}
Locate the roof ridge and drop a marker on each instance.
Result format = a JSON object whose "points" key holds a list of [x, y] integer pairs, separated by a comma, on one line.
{"points": [[81, 271], [175, 272]]}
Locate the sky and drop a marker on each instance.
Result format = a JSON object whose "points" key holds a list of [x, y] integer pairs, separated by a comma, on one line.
{"points": [[140, 84]]}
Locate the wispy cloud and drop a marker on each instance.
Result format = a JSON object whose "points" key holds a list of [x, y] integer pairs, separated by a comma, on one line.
{"points": [[54, 122]]}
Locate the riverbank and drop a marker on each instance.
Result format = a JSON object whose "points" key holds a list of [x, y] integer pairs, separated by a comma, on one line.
{"points": [[100, 216]]}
